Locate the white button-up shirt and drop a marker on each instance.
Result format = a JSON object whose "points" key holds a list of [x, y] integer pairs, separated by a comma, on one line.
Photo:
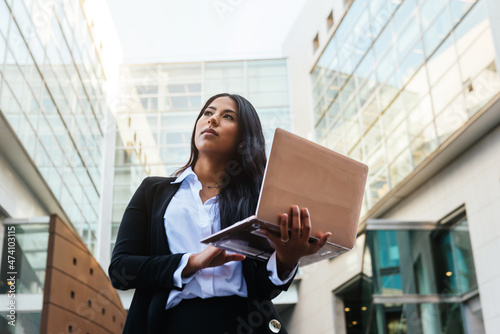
{"points": [[187, 221]]}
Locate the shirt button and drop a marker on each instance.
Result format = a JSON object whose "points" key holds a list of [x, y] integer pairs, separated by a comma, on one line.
{"points": [[274, 326]]}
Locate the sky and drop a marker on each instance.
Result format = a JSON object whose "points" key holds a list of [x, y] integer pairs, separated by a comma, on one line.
{"points": [[195, 30]]}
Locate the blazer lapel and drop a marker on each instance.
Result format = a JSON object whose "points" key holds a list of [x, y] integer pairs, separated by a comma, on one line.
{"points": [[161, 199]]}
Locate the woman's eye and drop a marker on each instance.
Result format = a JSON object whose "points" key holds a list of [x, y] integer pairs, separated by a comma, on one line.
{"points": [[229, 117], [207, 113]]}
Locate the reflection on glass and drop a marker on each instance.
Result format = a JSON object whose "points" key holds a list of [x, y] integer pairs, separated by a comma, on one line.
{"points": [[379, 187], [423, 262], [31, 257], [357, 306], [367, 89], [481, 89], [393, 116], [411, 63], [424, 144], [443, 44], [428, 11], [419, 117], [459, 8], [480, 54], [441, 60], [408, 37], [451, 118], [400, 168], [447, 89], [437, 32], [369, 114], [419, 318], [405, 13]]}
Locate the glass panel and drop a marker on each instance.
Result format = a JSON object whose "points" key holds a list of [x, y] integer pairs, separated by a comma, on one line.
{"points": [[465, 273], [379, 187], [438, 261], [446, 89], [420, 117], [27, 244], [393, 116], [175, 154], [437, 32], [370, 114], [383, 42], [357, 304], [367, 89], [416, 89], [263, 68], [451, 119], [471, 26], [478, 56], [26, 322], [400, 168], [373, 138], [424, 144], [385, 260], [459, 8], [353, 134], [4, 19], [386, 65], [419, 318], [403, 15], [411, 63], [408, 37], [365, 68], [429, 10], [441, 61], [480, 90]]}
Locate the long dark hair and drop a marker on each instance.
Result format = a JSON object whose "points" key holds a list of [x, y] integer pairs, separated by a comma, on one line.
{"points": [[243, 176]]}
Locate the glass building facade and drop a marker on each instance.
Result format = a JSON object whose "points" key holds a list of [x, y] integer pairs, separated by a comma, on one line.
{"points": [[395, 83], [158, 106], [398, 79], [418, 279], [52, 96], [31, 242]]}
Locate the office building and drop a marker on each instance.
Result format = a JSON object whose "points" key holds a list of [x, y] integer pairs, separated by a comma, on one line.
{"points": [[411, 89], [54, 75]]}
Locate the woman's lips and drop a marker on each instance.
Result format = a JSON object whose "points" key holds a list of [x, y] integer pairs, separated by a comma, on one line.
{"points": [[210, 131]]}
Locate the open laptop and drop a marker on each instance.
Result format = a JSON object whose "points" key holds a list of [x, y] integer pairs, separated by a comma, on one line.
{"points": [[301, 172]]}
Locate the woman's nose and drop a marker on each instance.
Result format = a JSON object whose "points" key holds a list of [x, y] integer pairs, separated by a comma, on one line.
{"points": [[212, 121]]}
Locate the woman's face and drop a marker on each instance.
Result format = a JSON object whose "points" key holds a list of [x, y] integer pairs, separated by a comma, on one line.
{"points": [[217, 130]]}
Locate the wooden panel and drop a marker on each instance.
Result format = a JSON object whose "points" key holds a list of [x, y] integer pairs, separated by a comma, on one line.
{"points": [[77, 290], [64, 321]]}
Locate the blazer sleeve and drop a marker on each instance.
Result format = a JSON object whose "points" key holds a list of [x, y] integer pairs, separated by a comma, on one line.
{"points": [[132, 264]]}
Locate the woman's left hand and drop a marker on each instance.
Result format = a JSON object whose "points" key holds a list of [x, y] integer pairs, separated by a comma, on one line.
{"points": [[289, 249]]}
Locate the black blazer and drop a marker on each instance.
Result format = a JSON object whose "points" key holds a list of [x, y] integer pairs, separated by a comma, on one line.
{"points": [[142, 260]]}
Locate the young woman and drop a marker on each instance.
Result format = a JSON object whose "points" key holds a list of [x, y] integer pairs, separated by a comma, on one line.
{"points": [[183, 286]]}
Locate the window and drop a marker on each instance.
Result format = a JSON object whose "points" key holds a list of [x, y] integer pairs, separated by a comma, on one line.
{"points": [[316, 43], [416, 278], [329, 21]]}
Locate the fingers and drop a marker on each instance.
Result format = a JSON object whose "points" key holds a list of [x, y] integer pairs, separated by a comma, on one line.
{"points": [[322, 241], [234, 257], [212, 251], [295, 221], [284, 227], [271, 236], [305, 223]]}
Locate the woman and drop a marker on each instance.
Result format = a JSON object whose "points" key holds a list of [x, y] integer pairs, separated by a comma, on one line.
{"points": [[181, 285]]}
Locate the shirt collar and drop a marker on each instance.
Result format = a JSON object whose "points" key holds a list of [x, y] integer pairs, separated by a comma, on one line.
{"points": [[187, 172]]}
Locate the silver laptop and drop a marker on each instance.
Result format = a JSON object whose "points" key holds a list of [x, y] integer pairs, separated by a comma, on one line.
{"points": [[301, 172]]}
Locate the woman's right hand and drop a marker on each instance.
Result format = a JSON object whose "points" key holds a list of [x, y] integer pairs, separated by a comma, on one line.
{"points": [[209, 257]]}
